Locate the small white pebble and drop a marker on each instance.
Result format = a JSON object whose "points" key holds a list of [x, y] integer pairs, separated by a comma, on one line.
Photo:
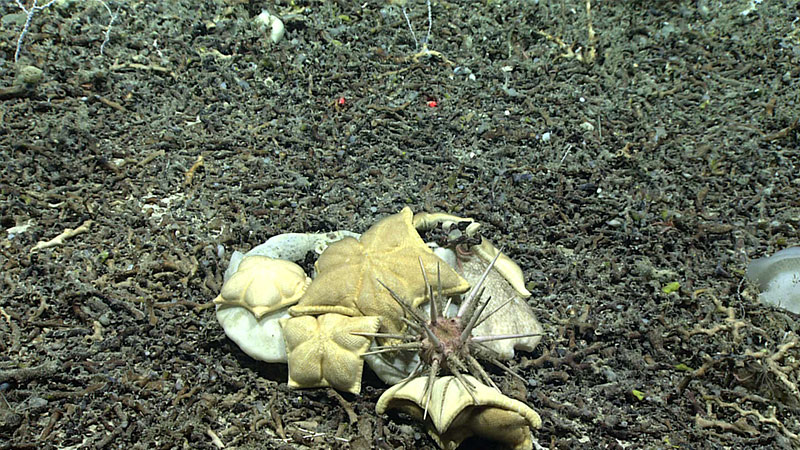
{"points": [[275, 24]]}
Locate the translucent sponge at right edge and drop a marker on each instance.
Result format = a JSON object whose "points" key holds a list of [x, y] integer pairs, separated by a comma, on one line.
{"points": [[778, 278]]}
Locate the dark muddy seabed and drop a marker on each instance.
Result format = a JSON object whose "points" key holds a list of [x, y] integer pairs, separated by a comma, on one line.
{"points": [[632, 171]]}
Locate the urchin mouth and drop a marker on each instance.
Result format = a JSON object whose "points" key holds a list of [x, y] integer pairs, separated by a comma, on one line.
{"points": [[446, 343]]}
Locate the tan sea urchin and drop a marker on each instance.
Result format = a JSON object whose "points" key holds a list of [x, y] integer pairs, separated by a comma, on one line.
{"points": [[445, 344]]}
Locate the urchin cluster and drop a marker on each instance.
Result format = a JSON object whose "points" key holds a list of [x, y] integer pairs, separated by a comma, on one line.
{"points": [[446, 344]]}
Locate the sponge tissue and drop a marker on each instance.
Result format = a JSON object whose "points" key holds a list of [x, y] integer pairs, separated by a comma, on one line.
{"points": [[778, 278]]}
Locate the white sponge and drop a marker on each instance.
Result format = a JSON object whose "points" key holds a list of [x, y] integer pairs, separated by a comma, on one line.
{"points": [[778, 278]]}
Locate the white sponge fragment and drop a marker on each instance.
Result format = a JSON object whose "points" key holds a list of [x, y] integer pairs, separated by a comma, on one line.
{"points": [[778, 278], [261, 339], [275, 24]]}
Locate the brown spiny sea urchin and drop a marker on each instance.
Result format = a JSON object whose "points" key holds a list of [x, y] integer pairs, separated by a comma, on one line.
{"points": [[445, 344]]}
